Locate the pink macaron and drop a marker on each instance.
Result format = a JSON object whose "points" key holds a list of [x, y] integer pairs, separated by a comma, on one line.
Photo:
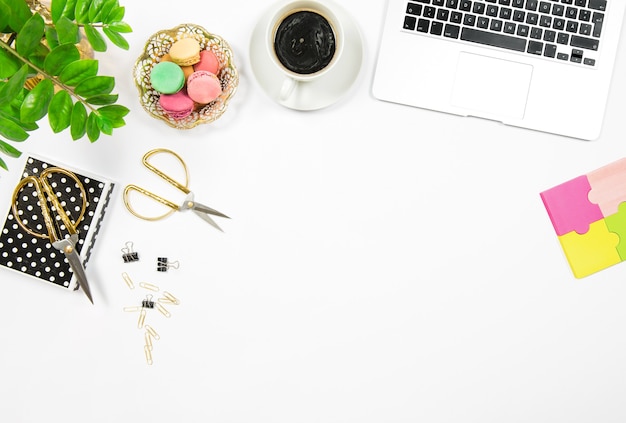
{"points": [[208, 62], [178, 105], [203, 87]]}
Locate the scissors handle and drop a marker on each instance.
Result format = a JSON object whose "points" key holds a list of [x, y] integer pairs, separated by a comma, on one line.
{"points": [[43, 190], [131, 187], [145, 160]]}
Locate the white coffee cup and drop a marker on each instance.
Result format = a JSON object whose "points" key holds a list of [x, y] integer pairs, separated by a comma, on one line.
{"points": [[304, 40]]}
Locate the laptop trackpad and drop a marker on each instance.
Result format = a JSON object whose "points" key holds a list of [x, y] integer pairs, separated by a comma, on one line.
{"points": [[493, 86]]}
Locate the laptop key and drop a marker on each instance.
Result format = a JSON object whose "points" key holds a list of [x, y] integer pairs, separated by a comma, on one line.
{"points": [[436, 28], [598, 18], [584, 42], [423, 25], [451, 31], [495, 40], [597, 5], [410, 22], [535, 47], [550, 50], [483, 22], [414, 9]]}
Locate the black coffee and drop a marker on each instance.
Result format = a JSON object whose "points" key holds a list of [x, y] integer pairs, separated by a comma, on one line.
{"points": [[304, 42]]}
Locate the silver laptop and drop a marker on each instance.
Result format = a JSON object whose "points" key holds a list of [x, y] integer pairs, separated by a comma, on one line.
{"points": [[539, 64]]}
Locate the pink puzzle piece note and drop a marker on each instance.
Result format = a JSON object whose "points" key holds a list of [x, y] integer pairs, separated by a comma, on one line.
{"points": [[608, 187], [569, 207]]}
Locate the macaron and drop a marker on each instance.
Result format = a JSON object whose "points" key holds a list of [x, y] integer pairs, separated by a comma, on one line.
{"points": [[203, 87], [208, 62], [167, 77], [187, 70], [178, 105], [185, 52]]}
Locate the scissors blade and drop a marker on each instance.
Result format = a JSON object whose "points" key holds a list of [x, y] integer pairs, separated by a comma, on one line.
{"points": [[208, 219], [206, 209], [201, 210], [68, 248]]}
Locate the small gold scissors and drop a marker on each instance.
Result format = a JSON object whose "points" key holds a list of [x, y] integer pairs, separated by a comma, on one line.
{"points": [[46, 194], [188, 204]]}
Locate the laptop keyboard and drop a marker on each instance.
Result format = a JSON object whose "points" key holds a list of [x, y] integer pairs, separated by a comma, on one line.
{"points": [[565, 30]]}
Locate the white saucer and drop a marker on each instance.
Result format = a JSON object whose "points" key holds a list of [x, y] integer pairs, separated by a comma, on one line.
{"points": [[324, 91]]}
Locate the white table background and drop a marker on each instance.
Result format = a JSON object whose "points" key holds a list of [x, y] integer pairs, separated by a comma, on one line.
{"points": [[382, 264]]}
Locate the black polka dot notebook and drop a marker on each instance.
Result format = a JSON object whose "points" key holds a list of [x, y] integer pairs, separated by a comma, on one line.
{"points": [[24, 246]]}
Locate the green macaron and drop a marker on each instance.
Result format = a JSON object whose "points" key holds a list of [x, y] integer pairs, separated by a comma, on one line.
{"points": [[167, 77]]}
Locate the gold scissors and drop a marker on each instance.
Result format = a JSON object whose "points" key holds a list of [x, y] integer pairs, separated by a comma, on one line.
{"points": [[47, 198], [200, 210]]}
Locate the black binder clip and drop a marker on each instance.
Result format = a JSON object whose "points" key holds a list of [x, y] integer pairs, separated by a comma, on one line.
{"points": [[147, 303], [129, 255], [163, 264]]}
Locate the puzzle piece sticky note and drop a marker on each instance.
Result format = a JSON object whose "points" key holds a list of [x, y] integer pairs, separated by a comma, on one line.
{"points": [[588, 214]]}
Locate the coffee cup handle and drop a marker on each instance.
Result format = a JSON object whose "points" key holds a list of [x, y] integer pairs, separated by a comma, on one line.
{"points": [[289, 84]]}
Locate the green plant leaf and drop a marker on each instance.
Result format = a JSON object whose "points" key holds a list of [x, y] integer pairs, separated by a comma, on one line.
{"points": [[116, 38], [30, 35], [95, 10], [120, 27], [18, 15], [63, 9], [52, 38], [60, 57], [69, 9], [96, 85], [102, 100], [116, 15], [12, 130], [76, 72], [35, 105], [81, 11], [105, 124], [8, 64], [38, 57], [9, 150], [14, 85], [4, 15], [56, 9], [67, 31], [60, 111], [93, 131], [14, 115], [95, 38], [78, 125], [107, 7], [114, 111]]}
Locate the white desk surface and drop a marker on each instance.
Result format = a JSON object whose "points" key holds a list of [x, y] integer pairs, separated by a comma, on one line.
{"points": [[382, 264]]}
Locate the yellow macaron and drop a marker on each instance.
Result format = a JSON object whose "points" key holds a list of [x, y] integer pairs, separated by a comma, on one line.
{"points": [[185, 52]]}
